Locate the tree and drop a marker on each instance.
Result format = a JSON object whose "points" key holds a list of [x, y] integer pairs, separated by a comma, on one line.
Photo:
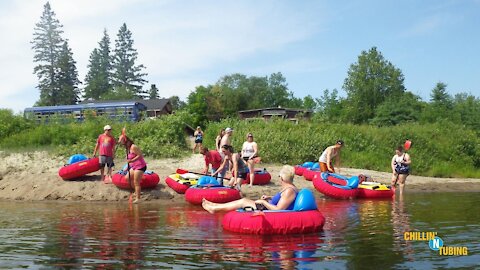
{"points": [[330, 106], [47, 45], [394, 111], [98, 79], [153, 92], [177, 103], [369, 83], [441, 105], [127, 74], [278, 90], [66, 77], [440, 97]]}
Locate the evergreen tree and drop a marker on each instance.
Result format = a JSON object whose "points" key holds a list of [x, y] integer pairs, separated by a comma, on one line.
{"points": [[127, 74], [67, 78], [153, 92], [98, 79], [47, 45]]}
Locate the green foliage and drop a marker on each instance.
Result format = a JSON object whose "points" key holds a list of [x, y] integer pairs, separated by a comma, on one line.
{"points": [[153, 92], [67, 78], [99, 70], [369, 83], [126, 74], [163, 137], [12, 124], [398, 110]]}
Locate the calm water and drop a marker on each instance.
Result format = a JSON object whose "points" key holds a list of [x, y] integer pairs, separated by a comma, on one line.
{"points": [[357, 235]]}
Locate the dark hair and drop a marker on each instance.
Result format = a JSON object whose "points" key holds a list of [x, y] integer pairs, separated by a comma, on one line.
{"points": [[400, 148], [340, 142], [228, 147], [203, 149], [220, 133]]}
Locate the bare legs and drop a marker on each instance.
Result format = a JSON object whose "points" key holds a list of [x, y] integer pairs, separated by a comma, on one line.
{"points": [[212, 207], [135, 178], [199, 145], [401, 180], [251, 169]]}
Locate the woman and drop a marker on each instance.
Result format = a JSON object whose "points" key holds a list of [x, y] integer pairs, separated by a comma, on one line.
{"points": [[239, 167], [283, 200], [325, 160], [249, 152], [136, 164], [198, 135], [219, 139], [400, 168]]}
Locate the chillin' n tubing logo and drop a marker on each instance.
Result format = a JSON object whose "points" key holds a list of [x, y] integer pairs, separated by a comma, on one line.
{"points": [[435, 243]]}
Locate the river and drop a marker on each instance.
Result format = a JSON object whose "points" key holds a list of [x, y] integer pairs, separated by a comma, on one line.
{"points": [[361, 234]]}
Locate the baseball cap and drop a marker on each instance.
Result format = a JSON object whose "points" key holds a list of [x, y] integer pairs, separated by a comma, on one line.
{"points": [[228, 129], [107, 127]]}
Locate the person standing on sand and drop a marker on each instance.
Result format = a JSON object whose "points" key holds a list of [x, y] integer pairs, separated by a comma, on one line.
{"points": [[283, 200], [325, 160], [239, 166], [136, 164], [218, 139], [198, 135], [106, 147], [249, 152], [400, 168]]}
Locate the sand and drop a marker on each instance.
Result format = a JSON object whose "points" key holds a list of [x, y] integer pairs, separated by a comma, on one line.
{"points": [[34, 177]]}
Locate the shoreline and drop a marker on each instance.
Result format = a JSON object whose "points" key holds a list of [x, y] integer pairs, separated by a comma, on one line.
{"points": [[34, 177]]}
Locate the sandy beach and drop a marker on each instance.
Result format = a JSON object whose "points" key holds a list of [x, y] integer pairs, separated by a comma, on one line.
{"points": [[34, 177]]}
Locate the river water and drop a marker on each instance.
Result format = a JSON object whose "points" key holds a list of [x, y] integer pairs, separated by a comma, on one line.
{"points": [[359, 234]]}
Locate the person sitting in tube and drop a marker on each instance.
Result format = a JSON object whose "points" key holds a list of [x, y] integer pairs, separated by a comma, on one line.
{"points": [[283, 200]]}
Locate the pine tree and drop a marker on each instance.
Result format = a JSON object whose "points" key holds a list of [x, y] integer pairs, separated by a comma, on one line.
{"points": [[127, 76], [153, 93], [66, 77], [98, 79], [47, 45]]}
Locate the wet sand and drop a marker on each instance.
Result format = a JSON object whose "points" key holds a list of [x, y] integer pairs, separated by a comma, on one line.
{"points": [[34, 177]]}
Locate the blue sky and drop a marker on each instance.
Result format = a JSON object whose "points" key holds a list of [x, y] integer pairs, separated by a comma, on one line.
{"points": [[184, 44]]}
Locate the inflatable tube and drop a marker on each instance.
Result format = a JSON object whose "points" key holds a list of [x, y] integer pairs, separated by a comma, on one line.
{"points": [[299, 170], [323, 183], [149, 180], [219, 194], [180, 182], [309, 173], [304, 218], [307, 164], [373, 190], [262, 177], [79, 169]]}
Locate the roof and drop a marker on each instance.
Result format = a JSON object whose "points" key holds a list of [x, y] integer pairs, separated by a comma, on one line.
{"points": [[88, 105], [151, 104]]}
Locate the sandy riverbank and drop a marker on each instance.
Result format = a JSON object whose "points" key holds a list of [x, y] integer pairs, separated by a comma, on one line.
{"points": [[34, 177]]}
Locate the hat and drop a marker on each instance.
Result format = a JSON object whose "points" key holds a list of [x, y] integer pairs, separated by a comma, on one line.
{"points": [[228, 129], [340, 142], [107, 127], [198, 127]]}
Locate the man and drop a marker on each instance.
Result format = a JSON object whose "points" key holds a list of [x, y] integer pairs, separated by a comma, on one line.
{"points": [[328, 154], [212, 157], [106, 147]]}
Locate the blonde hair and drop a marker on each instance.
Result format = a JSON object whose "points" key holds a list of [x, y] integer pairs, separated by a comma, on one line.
{"points": [[287, 173]]}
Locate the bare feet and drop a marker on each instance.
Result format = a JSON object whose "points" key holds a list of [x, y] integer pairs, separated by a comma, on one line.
{"points": [[208, 206]]}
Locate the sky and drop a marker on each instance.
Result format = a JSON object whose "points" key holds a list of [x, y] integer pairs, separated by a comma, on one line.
{"points": [[184, 44]]}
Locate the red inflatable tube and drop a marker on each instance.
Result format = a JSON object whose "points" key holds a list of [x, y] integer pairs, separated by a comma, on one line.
{"points": [[195, 195], [262, 177], [149, 180], [178, 187], [308, 174], [273, 222], [331, 191], [374, 194], [78, 169], [299, 170]]}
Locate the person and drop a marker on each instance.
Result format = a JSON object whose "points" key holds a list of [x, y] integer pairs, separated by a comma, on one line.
{"points": [[106, 150], [325, 160], [212, 157], [400, 168], [227, 138], [218, 139], [249, 152], [136, 164], [239, 167], [283, 200], [198, 135]]}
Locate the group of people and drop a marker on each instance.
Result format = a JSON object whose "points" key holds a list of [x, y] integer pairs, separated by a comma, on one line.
{"points": [[136, 165], [224, 159]]}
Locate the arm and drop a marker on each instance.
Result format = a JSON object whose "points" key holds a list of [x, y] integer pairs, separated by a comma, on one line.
{"points": [[337, 161], [407, 159], [96, 148], [393, 164], [255, 150], [287, 197], [221, 166], [135, 149], [329, 158], [205, 170], [235, 166]]}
